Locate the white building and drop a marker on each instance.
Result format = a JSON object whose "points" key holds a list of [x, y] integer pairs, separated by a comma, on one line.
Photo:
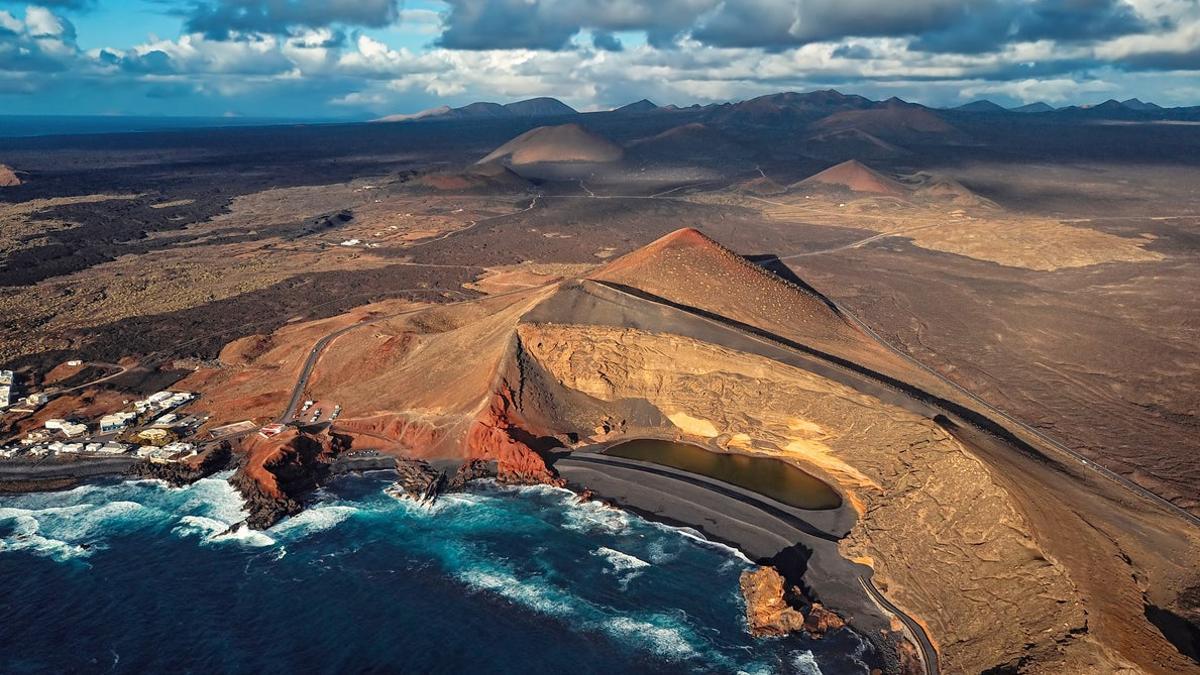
{"points": [[162, 400], [110, 423], [73, 430], [113, 449], [35, 437], [179, 447], [6, 377], [55, 423], [5, 396]]}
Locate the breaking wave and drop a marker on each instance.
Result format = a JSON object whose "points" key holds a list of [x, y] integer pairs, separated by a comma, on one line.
{"points": [[212, 531], [625, 566], [592, 579]]}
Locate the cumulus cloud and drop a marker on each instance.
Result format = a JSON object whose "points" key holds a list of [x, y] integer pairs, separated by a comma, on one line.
{"points": [[220, 19], [40, 41], [550, 24], [939, 51], [944, 25]]}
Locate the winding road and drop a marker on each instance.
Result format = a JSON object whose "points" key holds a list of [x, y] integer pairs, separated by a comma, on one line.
{"points": [[314, 354]]}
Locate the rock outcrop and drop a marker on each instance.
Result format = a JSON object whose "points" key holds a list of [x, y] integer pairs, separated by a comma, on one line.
{"points": [[8, 178], [767, 610], [277, 474], [417, 480]]}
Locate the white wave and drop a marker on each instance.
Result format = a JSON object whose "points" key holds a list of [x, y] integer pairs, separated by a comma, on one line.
{"points": [[532, 594], [698, 537], [667, 641], [626, 567], [313, 520], [806, 663], [26, 536], [213, 497], [539, 489], [658, 553], [90, 521], [620, 560], [215, 531], [596, 517], [443, 504]]}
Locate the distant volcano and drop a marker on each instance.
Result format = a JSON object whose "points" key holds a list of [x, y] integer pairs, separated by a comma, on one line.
{"points": [[856, 177], [565, 143]]}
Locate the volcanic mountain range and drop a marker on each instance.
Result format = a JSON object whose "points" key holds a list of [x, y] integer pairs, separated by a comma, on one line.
{"points": [[955, 512]]}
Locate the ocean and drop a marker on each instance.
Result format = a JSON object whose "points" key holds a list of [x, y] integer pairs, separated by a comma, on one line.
{"points": [[133, 577]]}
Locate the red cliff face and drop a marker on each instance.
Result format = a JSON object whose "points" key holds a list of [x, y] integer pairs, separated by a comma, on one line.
{"points": [[277, 473], [497, 434]]}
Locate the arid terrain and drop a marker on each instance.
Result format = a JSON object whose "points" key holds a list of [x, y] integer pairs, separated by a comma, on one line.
{"points": [[979, 328]]}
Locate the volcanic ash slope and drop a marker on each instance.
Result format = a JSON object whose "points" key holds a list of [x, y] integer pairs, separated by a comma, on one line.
{"points": [[684, 338]]}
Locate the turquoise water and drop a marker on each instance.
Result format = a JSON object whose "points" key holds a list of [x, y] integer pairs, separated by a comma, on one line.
{"points": [[137, 577]]}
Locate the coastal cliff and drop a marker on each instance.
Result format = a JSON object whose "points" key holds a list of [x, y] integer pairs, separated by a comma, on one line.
{"points": [[277, 474]]}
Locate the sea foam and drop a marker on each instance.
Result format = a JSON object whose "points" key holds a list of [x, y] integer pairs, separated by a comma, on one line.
{"points": [[213, 531], [625, 566], [314, 520]]}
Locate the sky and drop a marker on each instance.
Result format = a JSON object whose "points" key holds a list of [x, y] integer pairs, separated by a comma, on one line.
{"points": [[362, 58]]}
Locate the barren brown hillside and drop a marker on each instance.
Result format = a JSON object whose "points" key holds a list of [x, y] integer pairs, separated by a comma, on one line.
{"points": [[565, 143], [683, 338], [895, 121], [855, 176]]}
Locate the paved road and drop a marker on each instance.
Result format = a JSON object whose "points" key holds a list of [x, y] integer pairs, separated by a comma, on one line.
{"points": [[121, 370], [314, 354], [929, 656]]}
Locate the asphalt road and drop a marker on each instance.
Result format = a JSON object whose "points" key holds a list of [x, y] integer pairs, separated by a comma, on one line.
{"points": [[314, 354], [929, 657]]}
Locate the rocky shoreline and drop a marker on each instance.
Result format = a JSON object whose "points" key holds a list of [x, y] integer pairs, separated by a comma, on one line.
{"points": [[777, 603]]}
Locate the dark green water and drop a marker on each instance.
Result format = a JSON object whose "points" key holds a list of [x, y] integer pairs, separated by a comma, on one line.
{"points": [[767, 476]]}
